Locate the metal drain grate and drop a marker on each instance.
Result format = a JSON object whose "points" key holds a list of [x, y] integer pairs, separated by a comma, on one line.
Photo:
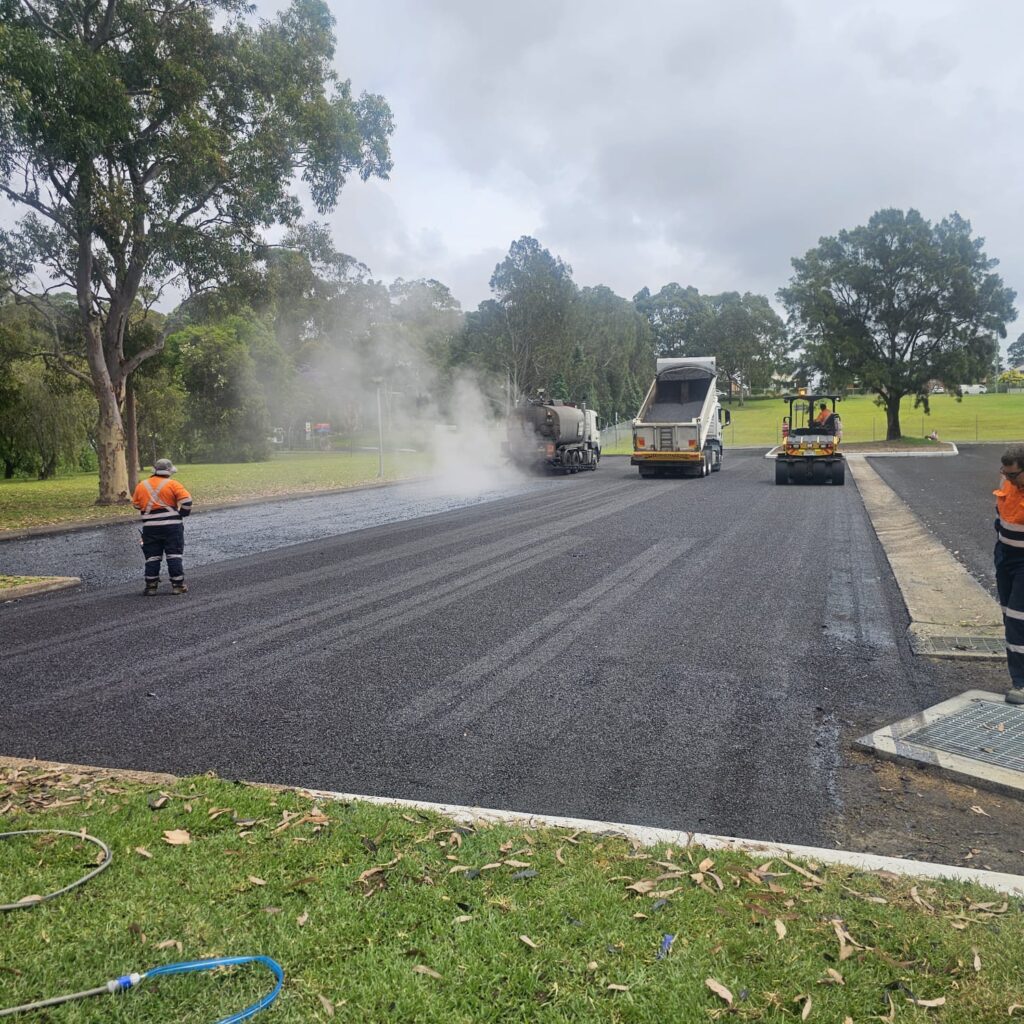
{"points": [[958, 646], [981, 730]]}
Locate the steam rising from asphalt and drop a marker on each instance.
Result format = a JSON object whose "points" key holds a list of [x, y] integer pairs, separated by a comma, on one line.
{"points": [[457, 424], [469, 448]]}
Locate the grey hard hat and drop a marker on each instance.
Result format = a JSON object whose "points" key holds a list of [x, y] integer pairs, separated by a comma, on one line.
{"points": [[164, 467]]}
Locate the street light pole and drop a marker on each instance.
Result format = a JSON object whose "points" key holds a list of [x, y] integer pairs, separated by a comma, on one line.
{"points": [[380, 431]]}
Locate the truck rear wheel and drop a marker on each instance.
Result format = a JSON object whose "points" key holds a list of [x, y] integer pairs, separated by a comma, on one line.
{"points": [[839, 472], [781, 471]]}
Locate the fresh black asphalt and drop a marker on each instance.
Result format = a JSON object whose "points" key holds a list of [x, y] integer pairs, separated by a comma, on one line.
{"points": [[684, 653]]}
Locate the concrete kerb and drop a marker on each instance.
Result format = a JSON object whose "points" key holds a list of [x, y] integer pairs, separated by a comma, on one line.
{"points": [[41, 586], [98, 524], [641, 835], [952, 450], [940, 594]]}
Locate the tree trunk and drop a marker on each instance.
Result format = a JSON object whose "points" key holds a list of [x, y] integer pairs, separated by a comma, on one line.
{"points": [[892, 418], [131, 426], [9, 466], [110, 450]]}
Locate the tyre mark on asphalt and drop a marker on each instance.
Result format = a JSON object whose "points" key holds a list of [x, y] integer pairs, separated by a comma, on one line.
{"points": [[329, 620], [343, 635], [551, 511], [530, 650]]}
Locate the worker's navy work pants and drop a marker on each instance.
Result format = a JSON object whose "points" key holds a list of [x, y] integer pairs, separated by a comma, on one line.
{"points": [[168, 541], [1010, 587]]}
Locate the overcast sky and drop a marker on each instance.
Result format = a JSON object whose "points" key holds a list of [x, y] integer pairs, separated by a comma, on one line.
{"points": [[705, 143]]}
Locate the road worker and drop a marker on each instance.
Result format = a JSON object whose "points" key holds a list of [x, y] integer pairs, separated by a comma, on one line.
{"points": [[1009, 559], [163, 503], [823, 414]]}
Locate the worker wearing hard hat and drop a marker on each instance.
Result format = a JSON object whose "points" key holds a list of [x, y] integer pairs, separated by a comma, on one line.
{"points": [[1009, 559], [164, 503]]}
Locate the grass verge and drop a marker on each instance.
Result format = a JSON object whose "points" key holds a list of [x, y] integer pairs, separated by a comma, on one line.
{"points": [[9, 582], [26, 503], [975, 418], [378, 913]]}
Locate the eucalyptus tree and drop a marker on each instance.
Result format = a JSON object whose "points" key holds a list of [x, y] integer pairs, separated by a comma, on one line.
{"points": [[897, 303], [533, 296], [155, 141]]}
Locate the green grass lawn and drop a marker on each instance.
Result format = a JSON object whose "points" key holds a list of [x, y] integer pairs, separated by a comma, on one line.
{"points": [[975, 418], [382, 914], [7, 582], [26, 503]]}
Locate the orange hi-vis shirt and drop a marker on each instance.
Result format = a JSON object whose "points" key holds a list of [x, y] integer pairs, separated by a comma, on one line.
{"points": [[162, 501], [1010, 524]]}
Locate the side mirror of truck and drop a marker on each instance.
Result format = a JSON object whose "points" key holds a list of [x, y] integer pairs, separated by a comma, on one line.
{"points": [[725, 416]]}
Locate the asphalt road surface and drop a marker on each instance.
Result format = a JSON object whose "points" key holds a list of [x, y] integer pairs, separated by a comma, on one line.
{"points": [[694, 654]]}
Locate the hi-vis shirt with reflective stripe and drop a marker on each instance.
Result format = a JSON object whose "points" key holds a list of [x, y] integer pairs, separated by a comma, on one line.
{"points": [[1010, 524], [162, 501]]}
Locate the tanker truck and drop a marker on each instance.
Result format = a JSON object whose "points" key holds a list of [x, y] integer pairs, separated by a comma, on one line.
{"points": [[559, 436], [678, 429]]}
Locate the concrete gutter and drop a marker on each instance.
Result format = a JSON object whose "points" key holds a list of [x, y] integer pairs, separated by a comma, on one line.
{"points": [[642, 835], [41, 586], [940, 594]]}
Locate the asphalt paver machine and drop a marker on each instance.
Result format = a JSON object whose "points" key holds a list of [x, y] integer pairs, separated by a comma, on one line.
{"points": [[809, 453]]}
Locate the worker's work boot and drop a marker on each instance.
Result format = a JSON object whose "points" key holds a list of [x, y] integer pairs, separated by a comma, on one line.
{"points": [[179, 588], [1015, 695], [151, 586]]}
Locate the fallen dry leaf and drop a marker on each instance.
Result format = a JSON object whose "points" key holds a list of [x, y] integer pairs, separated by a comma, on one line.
{"points": [[1013, 1008], [327, 1005], [980, 810], [644, 886], [920, 902], [429, 971], [802, 871], [143, 852], [806, 1011], [168, 944], [706, 864], [719, 989], [592, 966], [941, 1001], [977, 961], [832, 977], [558, 855], [256, 881], [526, 940], [463, 918], [618, 988], [302, 918], [780, 929], [518, 863], [177, 837]]}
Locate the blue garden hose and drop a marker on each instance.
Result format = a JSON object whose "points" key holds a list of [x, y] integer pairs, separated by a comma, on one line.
{"points": [[128, 981]]}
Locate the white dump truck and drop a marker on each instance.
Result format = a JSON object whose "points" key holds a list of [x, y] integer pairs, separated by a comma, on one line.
{"points": [[679, 426]]}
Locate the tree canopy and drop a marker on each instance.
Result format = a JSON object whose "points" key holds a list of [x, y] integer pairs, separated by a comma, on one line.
{"points": [[153, 141], [897, 303]]}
